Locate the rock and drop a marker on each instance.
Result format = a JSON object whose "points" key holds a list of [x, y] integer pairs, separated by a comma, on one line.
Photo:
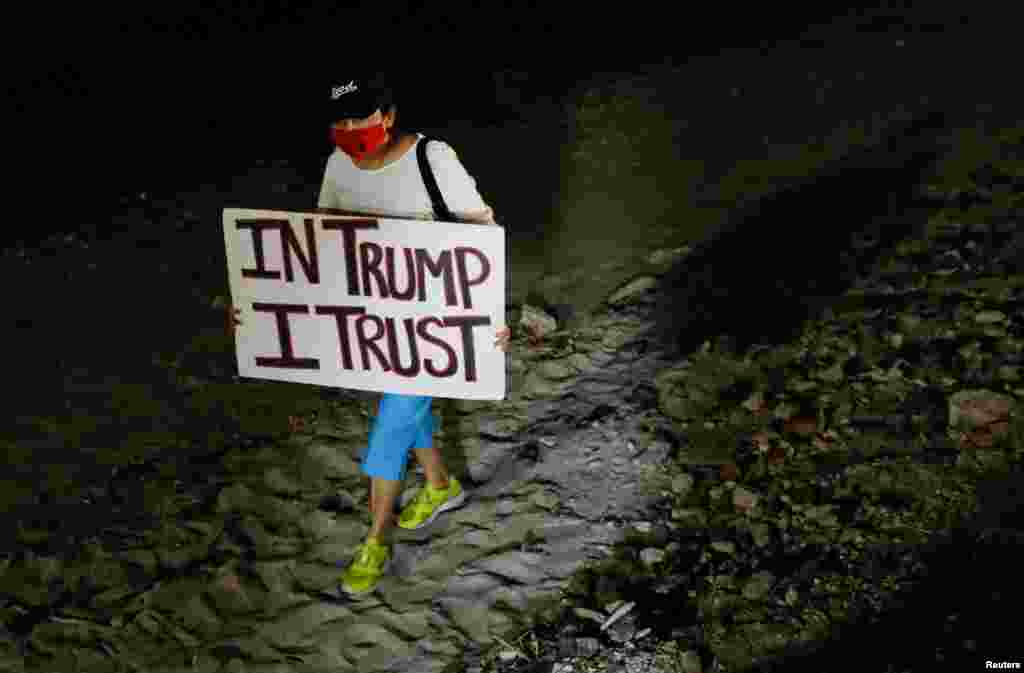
{"points": [[744, 500], [762, 534], [177, 558], [908, 322], [339, 502], [536, 322], [578, 647], [235, 498], [800, 425], [1009, 372], [801, 386], [198, 617], [228, 593], [508, 507], [989, 317], [412, 624], [632, 289], [669, 584], [470, 617], [545, 500], [785, 410], [668, 256], [682, 484], [724, 546], [477, 538], [277, 482], [536, 386], [690, 516], [297, 628], [521, 567], [438, 646], [623, 630], [833, 374], [584, 613], [983, 416], [615, 336], [619, 613], [556, 370], [823, 515], [330, 460], [610, 608], [689, 662], [144, 558], [651, 556], [755, 404], [472, 585], [758, 586], [764, 639]]}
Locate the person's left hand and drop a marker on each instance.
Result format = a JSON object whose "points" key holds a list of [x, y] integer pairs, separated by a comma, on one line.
{"points": [[504, 335]]}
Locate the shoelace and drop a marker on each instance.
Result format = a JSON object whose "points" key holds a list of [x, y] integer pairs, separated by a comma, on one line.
{"points": [[363, 556], [424, 497]]}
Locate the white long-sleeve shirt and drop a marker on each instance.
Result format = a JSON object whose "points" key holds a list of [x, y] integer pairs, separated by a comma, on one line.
{"points": [[397, 189]]}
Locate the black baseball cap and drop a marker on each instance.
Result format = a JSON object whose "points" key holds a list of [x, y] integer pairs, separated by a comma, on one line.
{"points": [[358, 96]]}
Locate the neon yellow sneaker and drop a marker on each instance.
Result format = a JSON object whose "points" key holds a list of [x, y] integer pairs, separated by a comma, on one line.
{"points": [[370, 562], [429, 503]]}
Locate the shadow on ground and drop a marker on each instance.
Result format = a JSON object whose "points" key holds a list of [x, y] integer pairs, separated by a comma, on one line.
{"points": [[962, 609], [780, 260]]}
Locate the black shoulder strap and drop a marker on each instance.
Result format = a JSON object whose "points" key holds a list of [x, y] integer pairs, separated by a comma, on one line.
{"points": [[441, 211]]}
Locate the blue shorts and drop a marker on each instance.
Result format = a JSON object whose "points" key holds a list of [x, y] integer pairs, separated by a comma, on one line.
{"points": [[403, 422]]}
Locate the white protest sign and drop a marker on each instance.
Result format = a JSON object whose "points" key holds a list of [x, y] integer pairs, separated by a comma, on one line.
{"points": [[361, 302]]}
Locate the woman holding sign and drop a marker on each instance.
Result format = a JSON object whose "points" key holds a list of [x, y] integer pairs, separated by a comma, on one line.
{"points": [[374, 170]]}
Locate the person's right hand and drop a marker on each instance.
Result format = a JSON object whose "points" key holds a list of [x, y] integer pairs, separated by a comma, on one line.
{"points": [[231, 320]]}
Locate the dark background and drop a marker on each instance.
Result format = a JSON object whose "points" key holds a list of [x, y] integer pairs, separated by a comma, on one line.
{"points": [[167, 98]]}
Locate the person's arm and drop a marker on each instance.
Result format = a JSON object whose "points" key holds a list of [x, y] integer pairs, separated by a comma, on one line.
{"points": [[458, 187], [485, 216]]}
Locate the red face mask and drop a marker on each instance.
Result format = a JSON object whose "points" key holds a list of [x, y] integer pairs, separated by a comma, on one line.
{"points": [[360, 142]]}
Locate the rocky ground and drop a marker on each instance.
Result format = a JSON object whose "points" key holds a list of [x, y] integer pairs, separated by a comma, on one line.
{"points": [[847, 501], [241, 565], [628, 512], [843, 499]]}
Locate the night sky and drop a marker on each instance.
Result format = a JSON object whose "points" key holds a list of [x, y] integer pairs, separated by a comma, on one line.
{"points": [[112, 104]]}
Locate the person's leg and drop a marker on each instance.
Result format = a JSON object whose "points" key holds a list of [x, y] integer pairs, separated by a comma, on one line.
{"points": [[433, 464], [400, 423], [384, 494], [443, 491], [428, 455], [398, 427]]}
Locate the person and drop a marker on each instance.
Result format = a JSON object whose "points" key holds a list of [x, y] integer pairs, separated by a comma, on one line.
{"points": [[374, 170]]}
